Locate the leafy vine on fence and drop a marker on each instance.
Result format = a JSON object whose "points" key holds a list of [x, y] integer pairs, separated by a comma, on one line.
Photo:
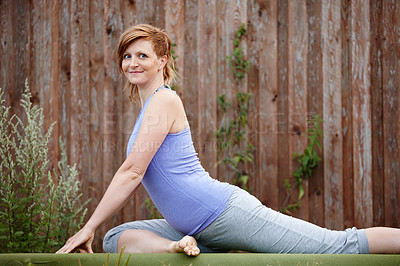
{"points": [[233, 149], [308, 161], [239, 66]]}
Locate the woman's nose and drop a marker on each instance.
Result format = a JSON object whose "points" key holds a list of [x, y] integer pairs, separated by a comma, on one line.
{"points": [[133, 62]]}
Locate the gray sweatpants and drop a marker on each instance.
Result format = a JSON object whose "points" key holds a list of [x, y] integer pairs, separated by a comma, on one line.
{"points": [[247, 225]]}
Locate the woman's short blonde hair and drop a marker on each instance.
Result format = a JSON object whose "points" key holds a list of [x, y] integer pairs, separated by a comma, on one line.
{"points": [[161, 45]]}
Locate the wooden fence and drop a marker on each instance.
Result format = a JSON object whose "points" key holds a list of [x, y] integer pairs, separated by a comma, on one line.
{"points": [[340, 59]]}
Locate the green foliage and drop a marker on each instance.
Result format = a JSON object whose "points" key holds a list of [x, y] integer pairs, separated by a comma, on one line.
{"points": [[153, 212], [308, 161], [231, 138], [174, 57], [239, 66], [233, 151], [39, 208]]}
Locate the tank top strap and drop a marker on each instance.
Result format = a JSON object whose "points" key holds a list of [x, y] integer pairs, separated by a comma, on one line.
{"points": [[164, 87]]}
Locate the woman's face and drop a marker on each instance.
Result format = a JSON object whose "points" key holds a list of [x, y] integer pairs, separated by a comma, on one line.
{"points": [[140, 63]]}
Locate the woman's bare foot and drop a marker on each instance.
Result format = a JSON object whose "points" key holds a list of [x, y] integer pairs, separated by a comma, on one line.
{"points": [[187, 245]]}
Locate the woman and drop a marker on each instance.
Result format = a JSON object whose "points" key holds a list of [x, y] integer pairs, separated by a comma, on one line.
{"points": [[197, 208]]}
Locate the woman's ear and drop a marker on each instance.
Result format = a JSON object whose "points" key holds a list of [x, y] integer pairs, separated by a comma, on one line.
{"points": [[163, 62]]}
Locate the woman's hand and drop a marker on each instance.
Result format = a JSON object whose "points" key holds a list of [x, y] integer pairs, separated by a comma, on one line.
{"points": [[81, 240]]}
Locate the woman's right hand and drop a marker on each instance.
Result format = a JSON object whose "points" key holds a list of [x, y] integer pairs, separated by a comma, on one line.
{"points": [[81, 240]]}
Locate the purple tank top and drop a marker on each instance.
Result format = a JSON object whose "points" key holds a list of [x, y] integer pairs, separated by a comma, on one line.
{"points": [[183, 192]]}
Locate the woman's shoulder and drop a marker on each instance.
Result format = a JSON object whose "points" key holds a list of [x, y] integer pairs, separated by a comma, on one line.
{"points": [[166, 98], [167, 105]]}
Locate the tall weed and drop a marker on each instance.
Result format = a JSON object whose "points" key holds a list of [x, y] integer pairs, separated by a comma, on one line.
{"points": [[39, 206]]}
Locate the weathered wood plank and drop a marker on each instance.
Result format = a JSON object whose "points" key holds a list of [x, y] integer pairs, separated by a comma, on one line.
{"points": [[21, 24], [376, 19], [266, 100], [157, 8], [282, 115], [15, 58], [297, 89], [94, 149], [129, 13], [190, 78], [145, 13], [225, 85], [347, 117], [35, 52], [207, 84], [80, 91], [40, 70], [315, 105], [174, 25], [46, 72], [6, 42], [253, 80], [40, 59], [54, 82], [64, 70], [79, 86], [391, 128], [361, 92], [331, 74]]}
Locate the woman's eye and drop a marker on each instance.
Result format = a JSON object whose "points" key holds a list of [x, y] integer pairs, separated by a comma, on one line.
{"points": [[126, 56], [142, 56]]}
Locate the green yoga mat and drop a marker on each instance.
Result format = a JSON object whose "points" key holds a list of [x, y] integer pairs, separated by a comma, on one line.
{"points": [[220, 259]]}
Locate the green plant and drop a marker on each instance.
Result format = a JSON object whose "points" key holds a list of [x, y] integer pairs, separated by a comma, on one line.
{"points": [[153, 211], [39, 206], [233, 151], [308, 161], [237, 63], [174, 57]]}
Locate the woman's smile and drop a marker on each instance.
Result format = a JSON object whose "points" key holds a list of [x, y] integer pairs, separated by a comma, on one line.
{"points": [[135, 72]]}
